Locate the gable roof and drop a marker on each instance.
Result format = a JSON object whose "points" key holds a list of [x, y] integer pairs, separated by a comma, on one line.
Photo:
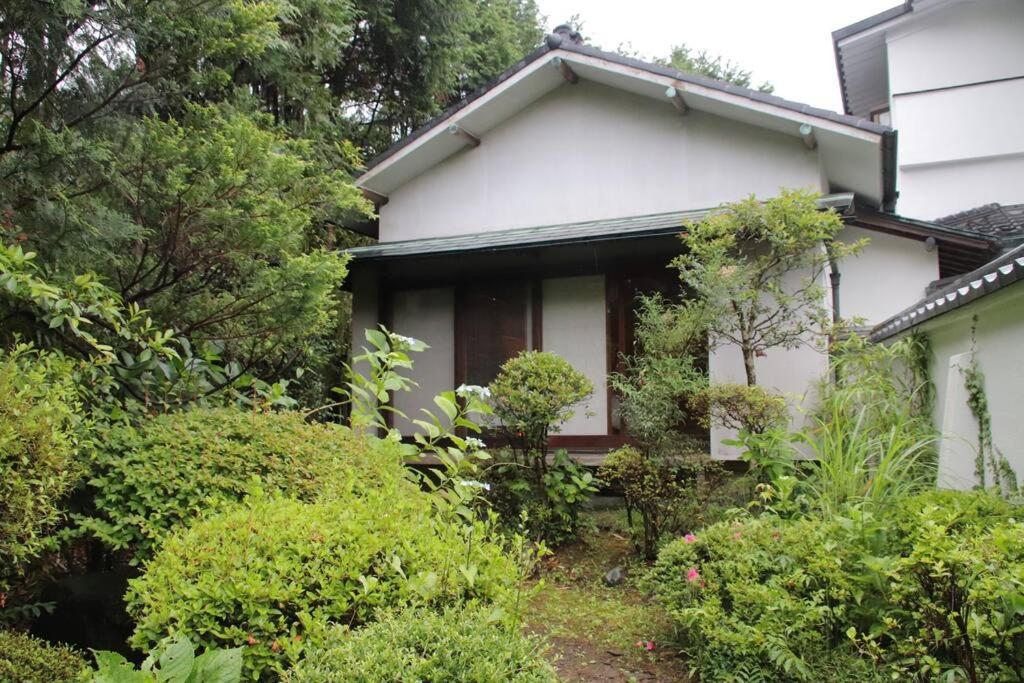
{"points": [[861, 61], [839, 137], [991, 277]]}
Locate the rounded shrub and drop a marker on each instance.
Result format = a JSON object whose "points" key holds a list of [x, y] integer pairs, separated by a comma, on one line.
{"points": [[760, 595], [272, 574], [38, 457], [24, 659], [149, 479], [535, 392], [460, 644]]}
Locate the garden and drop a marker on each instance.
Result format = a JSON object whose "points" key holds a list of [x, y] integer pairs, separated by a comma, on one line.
{"points": [[200, 482], [251, 537]]}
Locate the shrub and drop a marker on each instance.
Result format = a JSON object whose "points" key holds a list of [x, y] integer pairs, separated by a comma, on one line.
{"points": [[149, 479], [651, 487], [417, 645], [740, 407], [173, 661], [933, 589], [24, 659], [534, 393], [760, 595], [38, 448], [271, 574], [553, 509], [952, 598]]}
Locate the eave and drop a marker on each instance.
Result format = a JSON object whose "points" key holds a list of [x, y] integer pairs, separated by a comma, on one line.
{"points": [[857, 155]]}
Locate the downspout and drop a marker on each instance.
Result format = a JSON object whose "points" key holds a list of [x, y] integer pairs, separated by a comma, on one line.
{"points": [[834, 277]]}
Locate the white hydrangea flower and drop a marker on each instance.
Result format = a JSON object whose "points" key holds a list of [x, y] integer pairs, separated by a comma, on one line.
{"points": [[405, 340], [473, 389], [475, 444], [475, 484]]}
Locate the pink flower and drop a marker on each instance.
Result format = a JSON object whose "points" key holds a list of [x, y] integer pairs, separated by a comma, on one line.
{"points": [[650, 646], [692, 575], [640, 643], [690, 538], [737, 535]]}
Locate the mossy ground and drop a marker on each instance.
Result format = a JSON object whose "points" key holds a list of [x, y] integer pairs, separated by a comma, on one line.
{"points": [[594, 628]]}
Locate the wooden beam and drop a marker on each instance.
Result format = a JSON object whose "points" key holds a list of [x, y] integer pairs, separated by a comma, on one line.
{"points": [[566, 70], [677, 100], [456, 129], [807, 135], [378, 199]]}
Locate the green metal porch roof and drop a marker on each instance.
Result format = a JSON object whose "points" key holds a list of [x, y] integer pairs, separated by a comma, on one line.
{"points": [[651, 225]]}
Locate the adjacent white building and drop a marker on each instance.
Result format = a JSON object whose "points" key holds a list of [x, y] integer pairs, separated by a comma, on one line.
{"points": [[948, 75]]}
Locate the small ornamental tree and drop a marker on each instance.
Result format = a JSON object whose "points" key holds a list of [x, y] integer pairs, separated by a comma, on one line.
{"points": [[534, 394], [756, 271]]}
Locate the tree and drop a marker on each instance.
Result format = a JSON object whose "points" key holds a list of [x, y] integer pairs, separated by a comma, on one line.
{"points": [[755, 270], [683, 58], [198, 154]]}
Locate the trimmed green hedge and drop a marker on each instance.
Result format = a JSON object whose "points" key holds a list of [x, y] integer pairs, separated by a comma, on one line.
{"points": [[24, 659], [462, 644], [271, 575], [150, 479]]}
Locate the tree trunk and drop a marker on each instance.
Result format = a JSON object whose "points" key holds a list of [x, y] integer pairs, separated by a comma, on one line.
{"points": [[748, 365]]}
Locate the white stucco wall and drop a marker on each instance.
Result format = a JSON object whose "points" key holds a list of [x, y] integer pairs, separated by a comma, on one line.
{"points": [[574, 328], [427, 315], [999, 340], [889, 274], [960, 142], [587, 152]]}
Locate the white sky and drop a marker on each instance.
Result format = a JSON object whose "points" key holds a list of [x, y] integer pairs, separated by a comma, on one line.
{"points": [[785, 42]]}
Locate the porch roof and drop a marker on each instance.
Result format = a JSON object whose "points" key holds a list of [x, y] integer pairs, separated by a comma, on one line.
{"points": [[650, 225]]}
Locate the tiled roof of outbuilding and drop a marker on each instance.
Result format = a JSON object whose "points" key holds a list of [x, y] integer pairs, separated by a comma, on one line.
{"points": [[991, 277]]}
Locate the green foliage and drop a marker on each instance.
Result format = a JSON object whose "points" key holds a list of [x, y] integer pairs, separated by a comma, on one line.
{"points": [[683, 58], [929, 590], [271, 575], [40, 434], [761, 596], [150, 479], [988, 461], [459, 644], [24, 659], [856, 463], [740, 407], [173, 661], [755, 271], [534, 393], [665, 371], [552, 509], [223, 218], [651, 487]]}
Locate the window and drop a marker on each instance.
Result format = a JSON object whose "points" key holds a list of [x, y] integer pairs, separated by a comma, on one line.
{"points": [[491, 322]]}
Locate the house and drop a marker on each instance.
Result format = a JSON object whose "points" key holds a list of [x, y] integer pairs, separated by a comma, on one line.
{"points": [[531, 214], [949, 75]]}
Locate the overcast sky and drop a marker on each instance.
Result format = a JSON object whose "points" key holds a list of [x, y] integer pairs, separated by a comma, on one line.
{"points": [[785, 42]]}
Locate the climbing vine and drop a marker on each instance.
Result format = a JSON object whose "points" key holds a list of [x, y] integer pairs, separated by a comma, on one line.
{"points": [[988, 457]]}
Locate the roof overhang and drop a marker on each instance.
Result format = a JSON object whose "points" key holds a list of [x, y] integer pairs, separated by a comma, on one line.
{"points": [[857, 155], [650, 226]]}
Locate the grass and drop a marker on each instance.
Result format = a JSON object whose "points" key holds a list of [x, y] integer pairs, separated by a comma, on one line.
{"points": [[596, 627]]}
